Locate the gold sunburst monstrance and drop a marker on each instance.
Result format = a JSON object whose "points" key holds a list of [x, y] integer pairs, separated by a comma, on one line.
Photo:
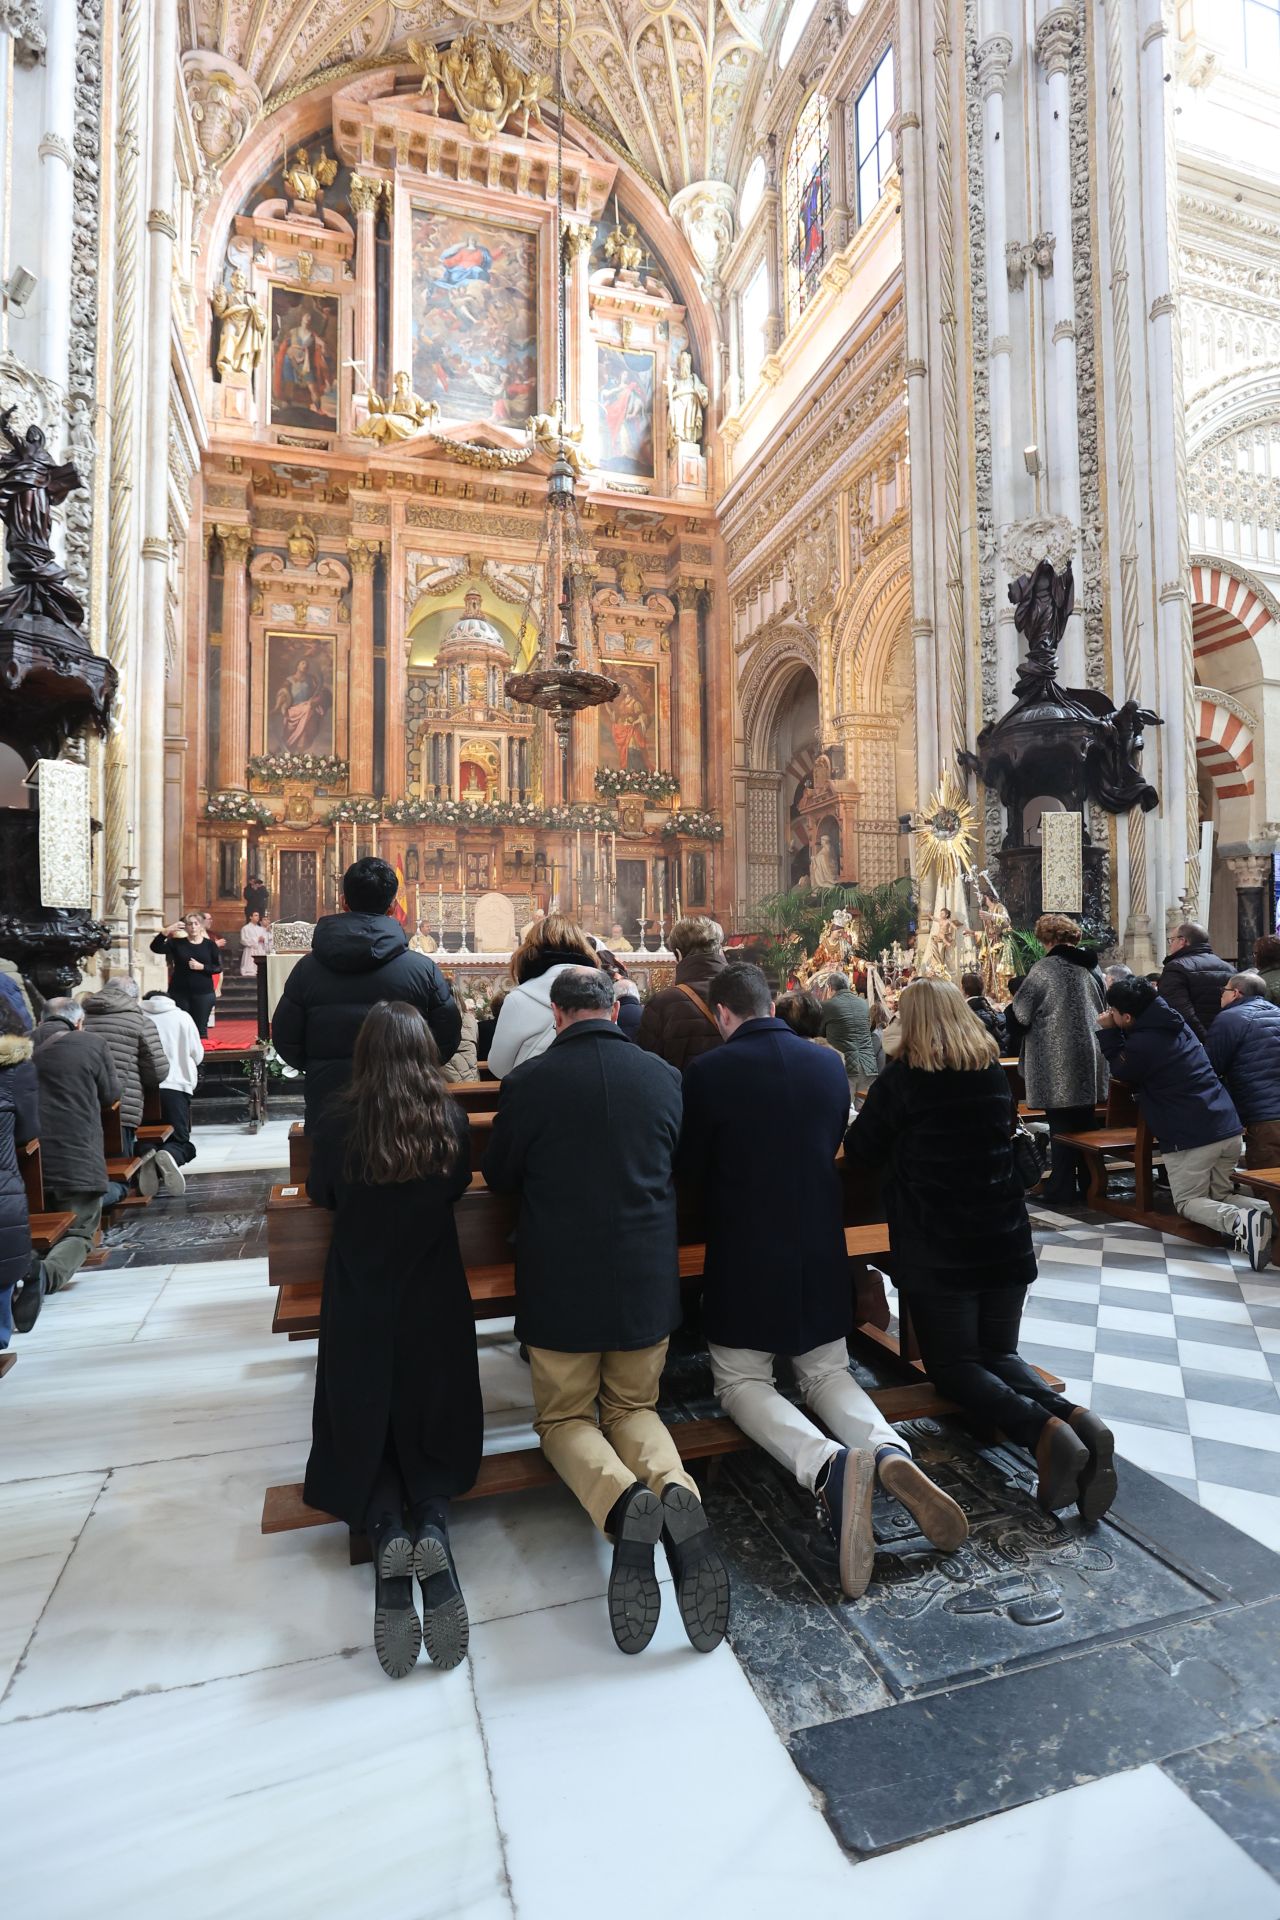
{"points": [[945, 834]]}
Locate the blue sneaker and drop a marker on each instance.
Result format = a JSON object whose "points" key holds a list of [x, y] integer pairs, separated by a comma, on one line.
{"points": [[844, 1506]]}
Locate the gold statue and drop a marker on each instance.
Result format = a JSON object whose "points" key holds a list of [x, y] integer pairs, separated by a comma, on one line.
{"points": [[549, 437], [399, 416], [485, 85], [242, 332], [686, 397], [305, 181], [301, 542], [624, 247]]}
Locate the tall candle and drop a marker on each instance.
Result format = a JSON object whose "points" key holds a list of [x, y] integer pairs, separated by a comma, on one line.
{"points": [[130, 846], [662, 899], [577, 866], [595, 868], [375, 839], [440, 912]]}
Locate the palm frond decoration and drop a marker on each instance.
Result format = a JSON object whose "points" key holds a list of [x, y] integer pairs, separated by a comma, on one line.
{"points": [[945, 835]]}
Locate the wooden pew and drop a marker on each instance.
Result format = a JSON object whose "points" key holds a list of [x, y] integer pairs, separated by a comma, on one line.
{"points": [[479, 1123], [47, 1226], [1263, 1181], [155, 1129], [1124, 1144]]}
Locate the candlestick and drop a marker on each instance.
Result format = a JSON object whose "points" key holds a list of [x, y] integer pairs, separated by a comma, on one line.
{"points": [[375, 839], [464, 948], [577, 868], [130, 846], [440, 914], [644, 916], [595, 869]]}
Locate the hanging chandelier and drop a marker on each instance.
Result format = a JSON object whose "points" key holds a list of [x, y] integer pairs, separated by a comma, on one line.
{"points": [[558, 606]]}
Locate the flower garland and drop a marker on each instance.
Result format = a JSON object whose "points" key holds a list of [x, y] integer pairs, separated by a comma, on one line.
{"points": [[362, 813], [497, 813], [695, 824], [239, 807], [651, 786], [324, 768]]}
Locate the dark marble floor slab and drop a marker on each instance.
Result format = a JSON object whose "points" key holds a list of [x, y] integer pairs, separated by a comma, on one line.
{"points": [[222, 1217], [1237, 1783]]}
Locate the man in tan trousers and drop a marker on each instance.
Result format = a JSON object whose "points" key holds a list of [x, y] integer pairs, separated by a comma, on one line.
{"points": [[587, 1132]]}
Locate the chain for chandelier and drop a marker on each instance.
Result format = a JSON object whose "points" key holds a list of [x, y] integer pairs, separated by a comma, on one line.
{"points": [[558, 603]]}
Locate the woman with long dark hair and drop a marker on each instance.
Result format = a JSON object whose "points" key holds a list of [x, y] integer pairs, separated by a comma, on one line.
{"points": [[939, 1123], [398, 1423]]}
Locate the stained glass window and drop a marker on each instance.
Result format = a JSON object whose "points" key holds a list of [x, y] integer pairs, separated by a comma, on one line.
{"points": [[808, 201], [875, 142]]}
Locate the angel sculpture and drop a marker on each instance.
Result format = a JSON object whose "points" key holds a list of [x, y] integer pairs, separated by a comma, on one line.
{"points": [[424, 55], [32, 483], [305, 180], [529, 91]]}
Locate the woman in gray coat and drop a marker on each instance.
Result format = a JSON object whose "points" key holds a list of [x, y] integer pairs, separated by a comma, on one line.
{"points": [[1057, 1008]]}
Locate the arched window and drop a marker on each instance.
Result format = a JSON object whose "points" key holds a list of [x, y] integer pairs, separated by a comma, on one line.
{"points": [[808, 200], [752, 191], [797, 21]]}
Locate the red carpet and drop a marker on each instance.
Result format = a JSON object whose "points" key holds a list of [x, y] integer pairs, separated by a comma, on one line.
{"points": [[230, 1035]]}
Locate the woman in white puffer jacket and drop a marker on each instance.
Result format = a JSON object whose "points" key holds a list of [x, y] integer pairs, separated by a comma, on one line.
{"points": [[525, 1026]]}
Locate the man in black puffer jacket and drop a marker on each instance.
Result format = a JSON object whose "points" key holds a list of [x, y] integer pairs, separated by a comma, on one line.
{"points": [[1244, 1051], [1193, 978], [357, 958]]}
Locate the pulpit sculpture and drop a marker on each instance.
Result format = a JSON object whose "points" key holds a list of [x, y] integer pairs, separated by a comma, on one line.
{"points": [[51, 687], [1069, 744]]}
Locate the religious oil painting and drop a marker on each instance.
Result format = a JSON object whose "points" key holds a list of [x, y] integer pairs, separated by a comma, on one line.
{"points": [[629, 724], [626, 411], [304, 359], [299, 694], [475, 318]]}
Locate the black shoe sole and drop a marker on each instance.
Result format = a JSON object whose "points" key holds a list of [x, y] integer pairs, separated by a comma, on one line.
{"points": [[397, 1631], [25, 1316], [1097, 1486], [446, 1627], [700, 1575], [1058, 1485], [634, 1595]]}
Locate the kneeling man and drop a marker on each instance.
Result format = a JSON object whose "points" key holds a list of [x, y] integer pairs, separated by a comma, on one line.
{"points": [[588, 1133], [764, 1117]]}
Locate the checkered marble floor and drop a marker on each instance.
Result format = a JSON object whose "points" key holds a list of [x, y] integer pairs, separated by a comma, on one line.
{"points": [[1177, 1347]]}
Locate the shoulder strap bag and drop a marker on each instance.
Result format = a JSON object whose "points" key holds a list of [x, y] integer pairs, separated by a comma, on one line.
{"points": [[691, 994]]}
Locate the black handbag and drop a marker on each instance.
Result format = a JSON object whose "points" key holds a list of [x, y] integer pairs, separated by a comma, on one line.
{"points": [[1027, 1163]]}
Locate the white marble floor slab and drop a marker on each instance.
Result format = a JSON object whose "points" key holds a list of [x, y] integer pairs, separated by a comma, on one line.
{"points": [[39, 1523], [236, 1150], [318, 1792], [1133, 1847], [597, 1813]]}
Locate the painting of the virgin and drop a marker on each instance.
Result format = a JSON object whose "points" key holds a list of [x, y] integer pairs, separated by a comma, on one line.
{"points": [[299, 695], [475, 317]]}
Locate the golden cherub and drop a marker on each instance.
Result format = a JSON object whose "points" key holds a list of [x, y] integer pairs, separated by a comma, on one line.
{"points": [[305, 181], [426, 56]]}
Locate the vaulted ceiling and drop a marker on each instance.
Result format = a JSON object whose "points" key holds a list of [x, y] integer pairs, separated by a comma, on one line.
{"points": [[670, 82]]}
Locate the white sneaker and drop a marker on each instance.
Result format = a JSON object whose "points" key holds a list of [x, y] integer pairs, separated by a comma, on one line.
{"points": [[172, 1178], [148, 1177], [1258, 1231]]}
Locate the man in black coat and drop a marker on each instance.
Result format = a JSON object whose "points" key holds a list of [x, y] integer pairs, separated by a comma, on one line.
{"points": [[357, 958], [1193, 977], [588, 1132], [77, 1080], [1244, 1052], [1190, 1113], [764, 1118]]}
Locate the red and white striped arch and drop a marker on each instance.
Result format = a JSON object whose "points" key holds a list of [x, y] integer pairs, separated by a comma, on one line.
{"points": [[1224, 611], [1224, 749]]}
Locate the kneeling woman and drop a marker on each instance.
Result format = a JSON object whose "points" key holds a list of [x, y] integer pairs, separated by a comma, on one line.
{"points": [[939, 1122], [398, 1424]]}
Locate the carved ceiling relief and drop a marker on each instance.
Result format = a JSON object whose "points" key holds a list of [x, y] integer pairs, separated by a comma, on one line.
{"points": [[668, 79]]}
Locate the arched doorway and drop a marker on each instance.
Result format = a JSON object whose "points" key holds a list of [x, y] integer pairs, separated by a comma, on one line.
{"points": [[782, 745]]}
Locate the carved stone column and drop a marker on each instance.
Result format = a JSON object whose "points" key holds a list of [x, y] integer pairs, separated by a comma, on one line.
{"points": [[1251, 873], [994, 57], [233, 711], [364, 195], [838, 216], [1055, 44], [775, 323], [687, 730], [362, 555]]}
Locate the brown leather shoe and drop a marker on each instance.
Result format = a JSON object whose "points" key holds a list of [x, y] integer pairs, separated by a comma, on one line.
{"points": [[1096, 1487], [936, 1514], [1062, 1457]]}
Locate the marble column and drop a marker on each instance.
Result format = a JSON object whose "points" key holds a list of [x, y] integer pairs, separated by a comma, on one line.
{"points": [[233, 710], [364, 195], [57, 204], [775, 321], [362, 555], [994, 57], [162, 231], [1251, 873], [1055, 42], [687, 730], [911, 166]]}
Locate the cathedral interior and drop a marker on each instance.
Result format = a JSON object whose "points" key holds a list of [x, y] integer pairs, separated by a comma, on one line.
{"points": [[833, 322]]}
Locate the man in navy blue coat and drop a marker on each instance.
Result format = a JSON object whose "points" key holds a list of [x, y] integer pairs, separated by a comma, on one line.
{"points": [[764, 1117], [1244, 1049], [1151, 1048]]}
